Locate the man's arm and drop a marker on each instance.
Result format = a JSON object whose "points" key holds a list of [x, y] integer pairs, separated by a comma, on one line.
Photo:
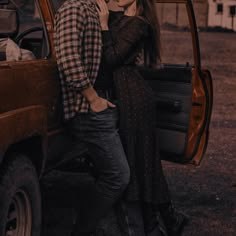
{"points": [[70, 25]]}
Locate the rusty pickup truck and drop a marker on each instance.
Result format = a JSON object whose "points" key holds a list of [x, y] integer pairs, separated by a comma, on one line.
{"points": [[33, 137]]}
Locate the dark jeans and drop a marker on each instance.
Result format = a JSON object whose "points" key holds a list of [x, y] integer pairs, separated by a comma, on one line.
{"points": [[99, 132]]}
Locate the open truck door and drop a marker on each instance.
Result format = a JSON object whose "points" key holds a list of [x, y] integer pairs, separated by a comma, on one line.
{"points": [[182, 88]]}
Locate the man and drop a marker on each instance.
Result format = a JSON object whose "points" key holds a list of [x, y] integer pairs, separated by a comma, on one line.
{"points": [[92, 118]]}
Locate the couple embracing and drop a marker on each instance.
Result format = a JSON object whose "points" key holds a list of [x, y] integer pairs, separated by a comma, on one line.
{"points": [[109, 107]]}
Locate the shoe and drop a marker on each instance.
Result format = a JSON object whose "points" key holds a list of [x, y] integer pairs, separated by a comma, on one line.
{"points": [[156, 232], [176, 227], [174, 221]]}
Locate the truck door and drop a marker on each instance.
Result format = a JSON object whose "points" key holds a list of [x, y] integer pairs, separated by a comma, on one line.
{"points": [[183, 90], [26, 65]]}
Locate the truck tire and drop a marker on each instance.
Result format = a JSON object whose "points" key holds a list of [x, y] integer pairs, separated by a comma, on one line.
{"points": [[20, 198]]}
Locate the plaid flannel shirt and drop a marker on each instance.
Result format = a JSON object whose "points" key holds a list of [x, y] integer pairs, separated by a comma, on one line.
{"points": [[78, 45]]}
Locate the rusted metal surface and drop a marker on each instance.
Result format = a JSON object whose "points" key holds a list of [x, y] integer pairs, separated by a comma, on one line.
{"points": [[30, 94], [48, 16], [21, 124], [27, 83], [31, 105]]}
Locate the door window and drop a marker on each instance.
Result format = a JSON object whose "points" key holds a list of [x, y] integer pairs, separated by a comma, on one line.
{"points": [[29, 42], [176, 40]]}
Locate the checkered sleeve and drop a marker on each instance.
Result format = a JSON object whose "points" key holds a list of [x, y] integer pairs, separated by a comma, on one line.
{"points": [[70, 23]]}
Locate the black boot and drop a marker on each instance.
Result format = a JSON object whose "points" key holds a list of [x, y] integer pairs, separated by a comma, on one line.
{"points": [[154, 225], [173, 220]]}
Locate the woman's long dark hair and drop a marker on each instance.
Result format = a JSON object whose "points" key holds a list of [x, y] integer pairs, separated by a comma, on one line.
{"points": [[147, 9]]}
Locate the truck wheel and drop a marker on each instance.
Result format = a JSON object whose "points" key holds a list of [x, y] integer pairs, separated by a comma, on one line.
{"points": [[20, 198]]}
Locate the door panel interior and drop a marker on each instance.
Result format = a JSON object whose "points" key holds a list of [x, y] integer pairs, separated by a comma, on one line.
{"points": [[172, 86]]}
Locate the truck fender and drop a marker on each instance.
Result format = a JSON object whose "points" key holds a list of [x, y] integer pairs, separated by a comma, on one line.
{"points": [[22, 124]]}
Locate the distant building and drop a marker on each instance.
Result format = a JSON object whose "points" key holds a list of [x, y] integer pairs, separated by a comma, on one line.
{"points": [[222, 13]]}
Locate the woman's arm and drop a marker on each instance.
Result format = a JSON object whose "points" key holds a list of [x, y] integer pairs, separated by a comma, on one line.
{"points": [[120, 42], [117, 47]]}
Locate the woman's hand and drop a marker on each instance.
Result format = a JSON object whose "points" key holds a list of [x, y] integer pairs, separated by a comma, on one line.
{"points": [[103, 14], [100, 104]]}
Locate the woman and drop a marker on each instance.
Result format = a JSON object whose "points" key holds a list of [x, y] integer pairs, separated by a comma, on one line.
{"points": [[126, 36]]}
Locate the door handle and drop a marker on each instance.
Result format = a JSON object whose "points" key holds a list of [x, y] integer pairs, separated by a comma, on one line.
{"points": [[169, 105]]}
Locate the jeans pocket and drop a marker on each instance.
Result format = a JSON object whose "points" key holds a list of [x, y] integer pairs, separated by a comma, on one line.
{"points": [[100, 112]]}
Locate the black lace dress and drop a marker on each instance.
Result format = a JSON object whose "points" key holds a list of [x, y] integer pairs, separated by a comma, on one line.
{"points": [[122, 45]]}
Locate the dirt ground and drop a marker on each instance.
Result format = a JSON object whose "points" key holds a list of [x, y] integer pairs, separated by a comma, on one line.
{"points": [[207, 193]]}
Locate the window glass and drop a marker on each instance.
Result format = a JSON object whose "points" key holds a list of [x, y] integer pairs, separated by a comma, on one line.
{"points": [[176, 40], [219, 8], [29, 42], [232, 10], [28, 14]]}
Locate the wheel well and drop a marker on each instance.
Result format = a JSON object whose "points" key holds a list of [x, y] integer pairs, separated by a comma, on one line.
{"points": [[33, 148]]}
